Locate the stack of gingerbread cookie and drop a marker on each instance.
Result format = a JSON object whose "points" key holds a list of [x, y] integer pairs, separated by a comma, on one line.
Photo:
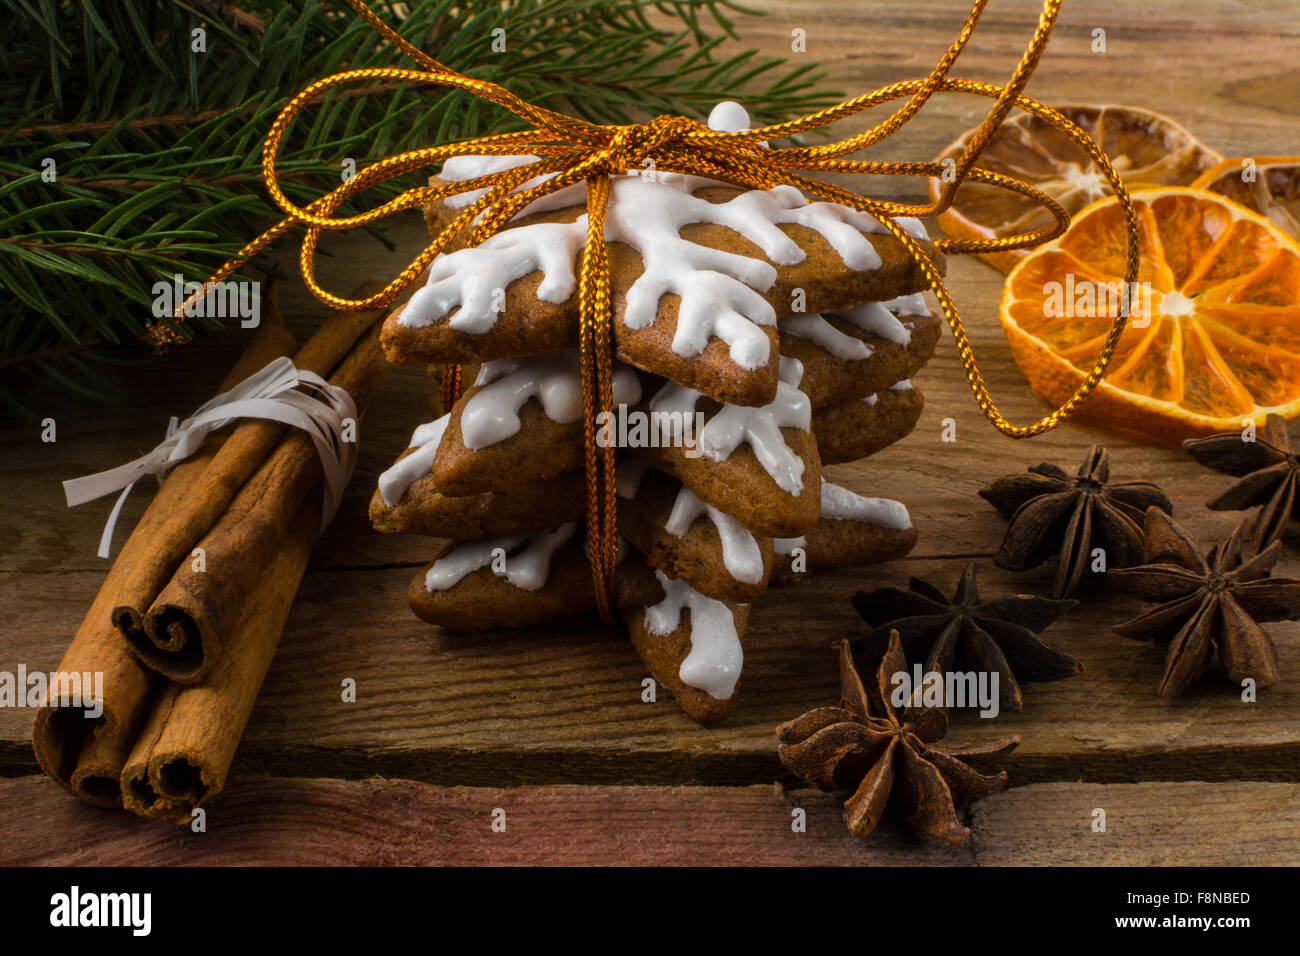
{"points": [[758, 336]]}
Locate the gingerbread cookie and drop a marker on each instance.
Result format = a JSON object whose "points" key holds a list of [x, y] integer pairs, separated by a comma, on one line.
{"points": [[691, 643], [505, 582], [420, 508], [698, 269], [520, 422], [685, 538], [759, 465], [860, 351], [852, 530], [861, 427]]}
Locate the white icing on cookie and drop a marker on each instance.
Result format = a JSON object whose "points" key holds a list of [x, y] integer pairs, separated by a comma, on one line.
{"points": [[729, 117], [404, 473], [554, 380], [460, 168], [740, 553], [716, 288], [471, 278], [761, 427], [526, 564], [913, 304], [825, 336], [785, 546], [877, 318], [840, 504], [714, 662]]}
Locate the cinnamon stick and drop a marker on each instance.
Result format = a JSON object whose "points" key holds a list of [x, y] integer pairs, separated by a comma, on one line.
{"points": [[138, 793], [96, 778], [247, 447], [185, 751], [76, 750], [195, 613]]}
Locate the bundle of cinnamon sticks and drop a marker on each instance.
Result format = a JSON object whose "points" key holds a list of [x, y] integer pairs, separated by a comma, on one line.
{"points": [[187, 620]]}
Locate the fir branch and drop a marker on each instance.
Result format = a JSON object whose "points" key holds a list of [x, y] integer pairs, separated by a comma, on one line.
{"points": [[231, 14], [95, 127], [157, 148], [46, 354]]}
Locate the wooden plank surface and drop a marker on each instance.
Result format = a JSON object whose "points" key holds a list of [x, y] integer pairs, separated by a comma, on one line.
{"points": [[561, 704], [397, 822]]}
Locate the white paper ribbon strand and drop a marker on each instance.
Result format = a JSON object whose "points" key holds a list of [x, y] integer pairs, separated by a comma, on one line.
{"points": [[273, 394]]}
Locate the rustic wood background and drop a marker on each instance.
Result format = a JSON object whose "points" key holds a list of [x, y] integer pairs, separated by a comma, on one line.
{"points": [[548, 724]]}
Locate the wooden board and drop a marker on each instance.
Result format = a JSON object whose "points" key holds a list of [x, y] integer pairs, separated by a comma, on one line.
{"points": [[295, 822], [561, 705]]}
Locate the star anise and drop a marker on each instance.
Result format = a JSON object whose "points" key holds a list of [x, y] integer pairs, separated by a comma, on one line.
{"points": [[1269, 473], [1053, 513], [877, 749], [995, 637], [1206, 604]]}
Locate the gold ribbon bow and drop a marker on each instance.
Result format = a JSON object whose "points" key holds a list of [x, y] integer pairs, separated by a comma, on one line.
{"points": [[572, 151]]}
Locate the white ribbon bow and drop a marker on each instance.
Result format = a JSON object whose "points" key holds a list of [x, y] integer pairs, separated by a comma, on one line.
{"points": [[272, 394]]}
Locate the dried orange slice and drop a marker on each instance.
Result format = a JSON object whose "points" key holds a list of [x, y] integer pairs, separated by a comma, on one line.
{"points": [[1215, 338], [1147, 150], [1270, 185]]}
